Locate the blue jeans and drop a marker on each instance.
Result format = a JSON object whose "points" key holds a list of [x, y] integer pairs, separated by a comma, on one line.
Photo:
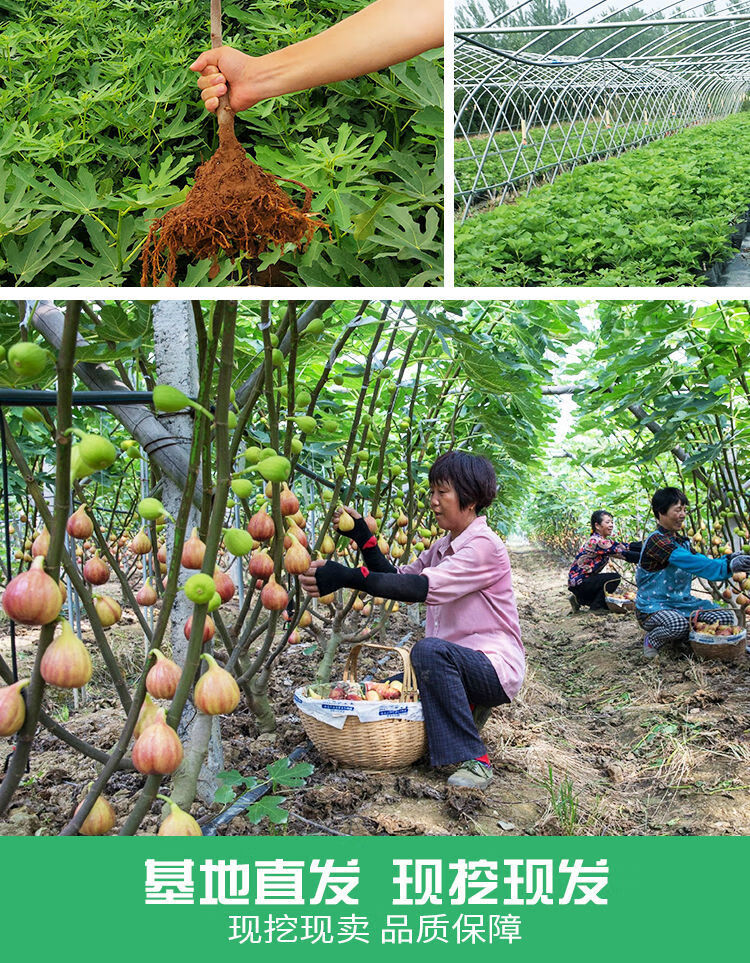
{"points": [[450, 677]]}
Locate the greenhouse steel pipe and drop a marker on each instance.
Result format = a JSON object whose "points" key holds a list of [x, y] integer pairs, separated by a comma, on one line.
{"points": [[596, 25], [14, 397]]}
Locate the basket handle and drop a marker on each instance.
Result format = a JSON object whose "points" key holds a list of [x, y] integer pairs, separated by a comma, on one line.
{"points": [[607, 585], [410, 691]]}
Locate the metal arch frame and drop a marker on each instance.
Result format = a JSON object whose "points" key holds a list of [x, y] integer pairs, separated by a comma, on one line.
{"points": [[583, 97]]}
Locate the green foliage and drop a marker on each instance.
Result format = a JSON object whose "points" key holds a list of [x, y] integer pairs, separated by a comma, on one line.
{"points": [[281, 775], [661, 214], [102, 126]]}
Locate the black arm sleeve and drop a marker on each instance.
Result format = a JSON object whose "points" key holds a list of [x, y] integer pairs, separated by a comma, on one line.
{"points": [[372, 557], [388, 585]]}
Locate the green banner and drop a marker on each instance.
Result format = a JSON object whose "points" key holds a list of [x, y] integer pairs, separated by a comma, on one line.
{"points": [[525, 899]]}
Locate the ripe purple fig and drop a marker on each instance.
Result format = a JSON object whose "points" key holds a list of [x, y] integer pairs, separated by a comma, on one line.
{"points": [[32, 597]]}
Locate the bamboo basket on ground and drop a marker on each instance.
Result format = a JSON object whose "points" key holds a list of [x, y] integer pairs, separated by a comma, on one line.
{"points": [[724, 648], [616, 603], [385, 744]]}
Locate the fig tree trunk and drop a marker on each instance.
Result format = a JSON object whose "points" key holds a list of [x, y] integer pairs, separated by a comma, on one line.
{"points": [[176, 359]]}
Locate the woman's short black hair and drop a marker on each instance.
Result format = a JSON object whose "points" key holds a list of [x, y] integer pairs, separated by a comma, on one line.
{"points": [[472, 477], [665, 498], [598, 517]]}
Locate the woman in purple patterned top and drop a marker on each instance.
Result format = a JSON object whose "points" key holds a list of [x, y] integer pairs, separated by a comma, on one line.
{"points": [[586, 580]]}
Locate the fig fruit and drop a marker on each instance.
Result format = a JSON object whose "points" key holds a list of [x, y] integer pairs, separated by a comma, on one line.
{"points": [[275, 469], [178, 822], [261, 565], [209, 628], [32, 597], [297, 558], [327, 546], [346, 522], [96, 453], [193, 552], [242, 487], [79, 525], [66, 663], [26, 359], [224, 585], [40, 545], [12, 707], [289, 501], [261, 526], [158, 750], [108, 609], [163, 676], [216, 693], [151, 509], [141, 543], [100, 820], [306, 423], [96, 571], [147, 715], [274, 596], [169, 399], [200, 588], [238, 542], [146, 594]]}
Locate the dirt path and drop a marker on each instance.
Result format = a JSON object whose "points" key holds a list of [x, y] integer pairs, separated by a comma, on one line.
{"points": [[635, 747]]}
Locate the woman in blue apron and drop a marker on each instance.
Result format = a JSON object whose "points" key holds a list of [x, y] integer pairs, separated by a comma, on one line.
{"points": [[665, 574]]}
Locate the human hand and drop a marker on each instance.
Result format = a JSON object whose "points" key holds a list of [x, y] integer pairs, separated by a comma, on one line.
{"points": [[739, 562], [225, 67], [308, 581], [340, 511]]}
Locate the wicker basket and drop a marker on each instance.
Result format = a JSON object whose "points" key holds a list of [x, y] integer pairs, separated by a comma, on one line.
{"points": [[725, 648], [385, 744], [615, 603]]}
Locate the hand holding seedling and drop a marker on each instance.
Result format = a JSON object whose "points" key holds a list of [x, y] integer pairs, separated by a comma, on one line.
{"points": [[384, 33]]}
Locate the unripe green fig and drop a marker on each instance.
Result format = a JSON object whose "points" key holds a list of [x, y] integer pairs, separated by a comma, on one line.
{"points": [[275, 469], [170, 399], [231, 420], [306, 423], [316, 326], [267, 453], [296, 446], [238, 542], [277, 357], [27, 360], [95, 453], [274, 339], [200, 588], [32, 415], [242, 487], [252, 455], [152, 509], [215, 602], [302, 399]]}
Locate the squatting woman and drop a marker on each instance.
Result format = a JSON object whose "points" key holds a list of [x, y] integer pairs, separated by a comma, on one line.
{"points": [[586, 580], [472, 657]]}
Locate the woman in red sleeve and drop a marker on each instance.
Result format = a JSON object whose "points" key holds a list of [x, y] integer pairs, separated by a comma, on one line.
{"points": [[586, 580]]}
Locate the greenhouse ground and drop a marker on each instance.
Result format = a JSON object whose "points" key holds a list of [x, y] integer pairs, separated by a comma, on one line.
{"points": [[642, 748]]}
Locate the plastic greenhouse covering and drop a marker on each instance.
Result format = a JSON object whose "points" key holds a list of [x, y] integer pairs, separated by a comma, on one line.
{"points": [[534, 100]]}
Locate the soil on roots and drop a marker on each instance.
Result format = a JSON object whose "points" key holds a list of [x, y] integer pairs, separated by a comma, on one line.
{"points": [[234, 207]]}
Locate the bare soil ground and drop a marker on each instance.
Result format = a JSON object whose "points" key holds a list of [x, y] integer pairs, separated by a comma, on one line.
{"points": [[599, 741]]}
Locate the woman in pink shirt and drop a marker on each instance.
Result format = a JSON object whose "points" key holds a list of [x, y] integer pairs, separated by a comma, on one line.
{"points": [[472, 657]]}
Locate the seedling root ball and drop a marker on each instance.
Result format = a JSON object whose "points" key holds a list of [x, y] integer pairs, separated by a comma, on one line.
{"points": [[234, 207]]}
